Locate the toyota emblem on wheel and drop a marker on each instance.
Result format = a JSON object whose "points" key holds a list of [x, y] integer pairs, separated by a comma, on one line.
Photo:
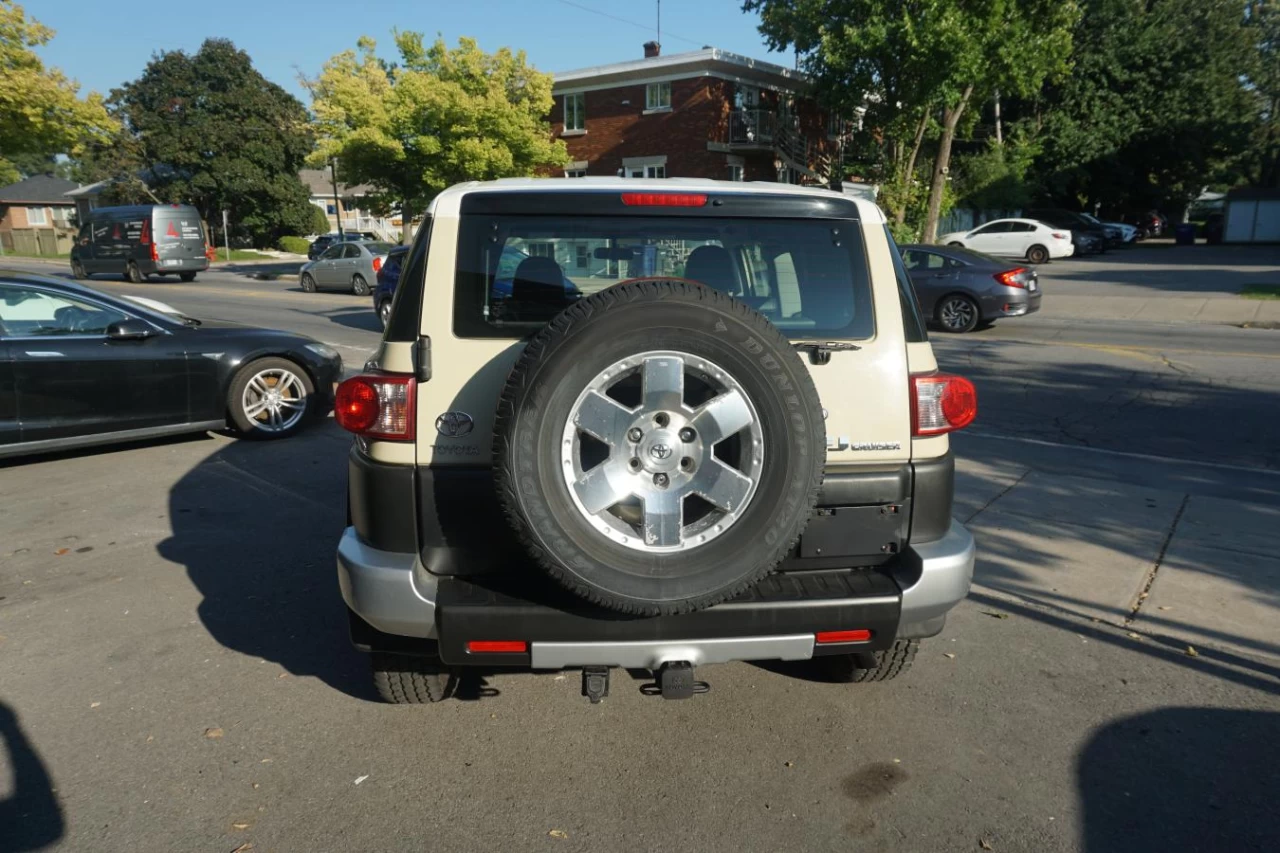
{"points": [[660, 451], [454, 424]]}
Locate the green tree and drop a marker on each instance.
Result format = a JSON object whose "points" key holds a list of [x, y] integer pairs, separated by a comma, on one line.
{"points": [[1157, 105], [434, 118], [912, 61], [41, 111], [1262, 162], [209, 130]]}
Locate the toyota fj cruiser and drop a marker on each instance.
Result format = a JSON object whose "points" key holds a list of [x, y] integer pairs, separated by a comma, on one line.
{"points": [[653, 425]]}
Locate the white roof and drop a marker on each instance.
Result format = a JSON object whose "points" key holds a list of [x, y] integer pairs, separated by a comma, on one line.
{"points": [[691, 63], [448, 199]]}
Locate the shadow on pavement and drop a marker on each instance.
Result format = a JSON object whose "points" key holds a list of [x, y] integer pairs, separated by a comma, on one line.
{"points": [[30, 817], [361, 318], [1182, 779], [256, 525], [261, 269]]}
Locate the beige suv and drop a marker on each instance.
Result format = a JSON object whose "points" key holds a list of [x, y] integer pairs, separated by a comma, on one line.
{"points": [[649, 424]]}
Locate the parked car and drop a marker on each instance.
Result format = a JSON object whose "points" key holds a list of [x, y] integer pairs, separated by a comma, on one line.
{"points": [[345, 266], [1087, 237], [141, 241], [1149, 223], [388, 277], [1014, 238], [84, 367], [1116, 231], [324, 241], [642, 484], [961, 289]]}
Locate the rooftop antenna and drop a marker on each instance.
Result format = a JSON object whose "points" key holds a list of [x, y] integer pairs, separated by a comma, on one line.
{"points": [[659, 38]]}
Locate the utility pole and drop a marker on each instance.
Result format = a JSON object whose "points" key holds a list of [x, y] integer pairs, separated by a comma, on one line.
{"points": [[337, 206], [226, 233], [659, 38], [999, 129]]}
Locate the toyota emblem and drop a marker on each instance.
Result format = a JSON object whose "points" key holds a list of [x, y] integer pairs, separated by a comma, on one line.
{"points": [[454, 424], [660, 451]]}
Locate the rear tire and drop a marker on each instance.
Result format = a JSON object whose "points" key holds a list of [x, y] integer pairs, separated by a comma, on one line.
{"points": [[872, 666], [384, 312], [132, 273], [187, 276], [359, 286], [1038, 255], [405, 680], [958, 314]]}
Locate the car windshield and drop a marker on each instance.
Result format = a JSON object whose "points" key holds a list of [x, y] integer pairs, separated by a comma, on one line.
{"points": [[809, 277]]}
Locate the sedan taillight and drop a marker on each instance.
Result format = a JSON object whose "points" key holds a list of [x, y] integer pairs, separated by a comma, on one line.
{"points": [[1016, 277], [377, 406], [377, 263], [1058, 235], [941, 402]]}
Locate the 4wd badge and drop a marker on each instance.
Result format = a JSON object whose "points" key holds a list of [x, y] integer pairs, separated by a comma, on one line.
{"points": [[454, 424]]}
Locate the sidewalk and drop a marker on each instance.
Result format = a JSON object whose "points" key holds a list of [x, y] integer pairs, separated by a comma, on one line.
{"points": [[1188, 570], [1219, 309]]}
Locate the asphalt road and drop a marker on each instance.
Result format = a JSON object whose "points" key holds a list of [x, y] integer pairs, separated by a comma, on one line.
{"points": [[175, 674]]}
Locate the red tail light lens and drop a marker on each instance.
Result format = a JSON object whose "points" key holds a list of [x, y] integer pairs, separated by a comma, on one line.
{"points": [[941, 403], [1058, 235], [377, 264], [155, 254], [377, 407], [498, 646], [664, 199], [860, 635], [1013, 277]]}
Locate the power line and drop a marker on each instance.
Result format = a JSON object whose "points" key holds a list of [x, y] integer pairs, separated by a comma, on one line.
{"points": [[645, 27]]}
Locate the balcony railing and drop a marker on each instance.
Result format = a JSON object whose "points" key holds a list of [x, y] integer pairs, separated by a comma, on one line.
{"points": [[752, 127]]}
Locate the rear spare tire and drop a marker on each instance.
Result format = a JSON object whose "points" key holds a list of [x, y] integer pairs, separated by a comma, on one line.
{"points": [[659, 447]]}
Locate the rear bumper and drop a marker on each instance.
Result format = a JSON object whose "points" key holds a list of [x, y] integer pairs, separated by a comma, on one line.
{"points": [[1010, 302], [174, 265], [395, 595]]}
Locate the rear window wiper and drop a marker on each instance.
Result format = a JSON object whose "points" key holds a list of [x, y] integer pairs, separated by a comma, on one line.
{"points": [[820, 351]]}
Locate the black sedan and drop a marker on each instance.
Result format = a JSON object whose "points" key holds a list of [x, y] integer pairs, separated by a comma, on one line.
{"points": [[960, 289], [80, 367]]}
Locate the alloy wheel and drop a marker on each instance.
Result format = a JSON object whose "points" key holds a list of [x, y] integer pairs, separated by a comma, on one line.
{"points": [[274, 400]]}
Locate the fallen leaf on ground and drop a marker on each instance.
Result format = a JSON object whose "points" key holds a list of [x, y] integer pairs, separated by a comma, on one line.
{"points": [[1191, 652], [150, 738], [558, 833], [265, 761], [1165, 607], [255, 787], [1133, 636], [984, 844], [248, 845], [950, 655], [61, 551], [212, 733], [788, 764], [283, 675], [360, 779], [94, 704], [994, 615], [240, 824]]}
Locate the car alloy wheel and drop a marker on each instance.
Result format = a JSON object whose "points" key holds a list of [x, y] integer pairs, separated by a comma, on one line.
{"points": [[308, 283], [384, 312], [958, 314], [274, 400], [1038, 255], [661, 452], [359, 286]]}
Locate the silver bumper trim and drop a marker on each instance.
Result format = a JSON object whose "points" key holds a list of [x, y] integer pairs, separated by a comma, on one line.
{"points": [[389, 590], [935, 577], [651, 654]]}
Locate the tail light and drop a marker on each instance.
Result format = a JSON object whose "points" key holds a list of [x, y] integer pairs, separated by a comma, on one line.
{"points": [[377, 264], [155, 254], [858, 635], [1061, 235], [375, 406], [1013, 278], [497, 646], [664, 199], [941, 402]]}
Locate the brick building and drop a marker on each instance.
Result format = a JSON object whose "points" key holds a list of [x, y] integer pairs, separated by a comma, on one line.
{"points": [[703, 114]]}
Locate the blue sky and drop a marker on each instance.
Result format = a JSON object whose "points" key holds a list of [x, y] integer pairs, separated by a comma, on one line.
{"points": [[102, 50]]}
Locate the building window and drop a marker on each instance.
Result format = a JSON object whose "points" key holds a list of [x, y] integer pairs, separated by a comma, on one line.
{"points": [[644, 167], [575, 113], [61, 215], [737, 167], [575, 173], [735, 173], [836, 126], [35, 216], [582, 256], [542, 250], [657, 96]]}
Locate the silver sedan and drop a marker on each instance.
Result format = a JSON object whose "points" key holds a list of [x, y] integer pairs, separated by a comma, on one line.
{"points": [[345, 266]]}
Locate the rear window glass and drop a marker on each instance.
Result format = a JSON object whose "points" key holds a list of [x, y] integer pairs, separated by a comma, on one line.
{"points": [[178, 227], [809, 277], [379, 248]]}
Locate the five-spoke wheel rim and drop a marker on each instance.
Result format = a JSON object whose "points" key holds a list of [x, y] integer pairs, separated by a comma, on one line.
{"points": [[662, 451], [957, 313], [274, 400]]}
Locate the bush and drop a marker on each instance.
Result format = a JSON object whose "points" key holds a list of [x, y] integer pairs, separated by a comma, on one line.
{"points": [[319, 221], [296, 245]]}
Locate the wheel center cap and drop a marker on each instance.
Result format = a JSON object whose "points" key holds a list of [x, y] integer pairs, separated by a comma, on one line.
{"points": [[658, 453]]}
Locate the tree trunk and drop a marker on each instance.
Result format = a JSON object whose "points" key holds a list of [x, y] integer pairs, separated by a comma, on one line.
{"points": [[907, 175], [406, 222], [950, 118]]}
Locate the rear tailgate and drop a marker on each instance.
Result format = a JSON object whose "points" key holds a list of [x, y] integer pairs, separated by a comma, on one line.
{"points": [[179, 237]]}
